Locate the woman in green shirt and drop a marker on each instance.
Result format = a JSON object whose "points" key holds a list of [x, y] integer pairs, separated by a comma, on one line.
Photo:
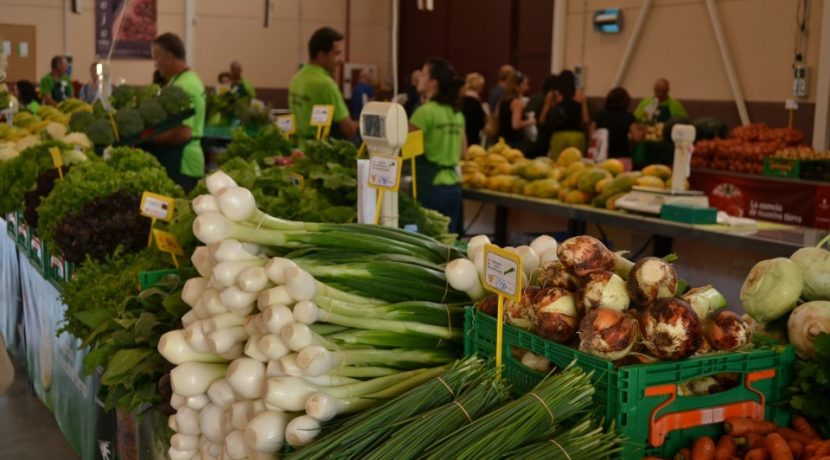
{"points": [[441, 120]]}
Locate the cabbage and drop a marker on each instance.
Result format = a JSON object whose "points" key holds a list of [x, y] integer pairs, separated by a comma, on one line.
{"points": [[806, 323], [815, 266], [771, 289]]}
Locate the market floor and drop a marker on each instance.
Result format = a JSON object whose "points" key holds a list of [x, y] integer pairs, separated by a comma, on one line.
{"points": [[28, 431]]}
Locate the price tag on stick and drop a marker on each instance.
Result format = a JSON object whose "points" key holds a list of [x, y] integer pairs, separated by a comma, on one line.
{"points": [[167, 242], [321, 117], [413, 147], [286, 124], [156, 207], [384, 175], [503, 276], [57, 160]]}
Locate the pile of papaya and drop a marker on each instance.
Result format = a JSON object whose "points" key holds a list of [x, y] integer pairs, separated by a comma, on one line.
{"points": [[569, 178], [751, 439]]}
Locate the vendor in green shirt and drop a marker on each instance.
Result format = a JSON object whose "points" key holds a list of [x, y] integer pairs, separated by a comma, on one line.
{"points": [[661, 106], [313, 85], [179, 149], [242, 86], [441, 120], [55, 86]]}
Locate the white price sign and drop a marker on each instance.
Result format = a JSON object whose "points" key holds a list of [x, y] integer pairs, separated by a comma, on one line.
{"points": [[385, 172], [157, 206], [503, 272], [321, 115], [286, 123]]}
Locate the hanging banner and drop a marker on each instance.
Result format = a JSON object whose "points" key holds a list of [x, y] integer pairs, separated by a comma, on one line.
{"points": [[131, 23]]}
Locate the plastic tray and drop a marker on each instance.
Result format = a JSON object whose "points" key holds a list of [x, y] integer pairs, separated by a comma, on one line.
{"points": [[146, 280], [642, 400]]}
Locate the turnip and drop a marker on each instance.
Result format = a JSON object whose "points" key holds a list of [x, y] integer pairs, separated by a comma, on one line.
{"points": [[275, 296], [704, 300], [604, 289], [221, 393], [237, 203], [210, 422], [772, 289], [585, 254], [554, 314], [463, 276], [202, 261], [239, 414], [530, 260], [274, 317], [476, 244], [221, 341], [187, 422], [252, 349], [176, 454], [725, 330], [204, 203], [554, 274], [607, 333], [193, 379], [536, 362], [230, 250], [193, 290], [815, 266], [542, 244], [300, 284], [212, 303], [236, 351], [520, 314], [235, 444], [217, 181], [253, 279], [174, 347], [237, 300], [184, 442], [805, 324], [272, 346], [302, 430], [221, 321], [197, 403], [651, 279], [247, 377], [276, 268], [671, 329], [266, 432]]}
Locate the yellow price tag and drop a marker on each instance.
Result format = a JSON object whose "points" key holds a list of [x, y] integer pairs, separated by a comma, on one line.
{"points": [[287, 124], [414, 145], [321, 115], [167, 242], [297, 179], [57, 160], [385, 172], [502, 275], [157, 206]]}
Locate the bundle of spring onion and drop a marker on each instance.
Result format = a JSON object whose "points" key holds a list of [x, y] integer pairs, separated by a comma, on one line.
{"points": [[583, 441], [346, 318]]}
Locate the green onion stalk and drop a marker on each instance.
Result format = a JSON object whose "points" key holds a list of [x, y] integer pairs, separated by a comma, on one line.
{"points": [[532, 417], [365, 431], [413, 439], [583, 441]]}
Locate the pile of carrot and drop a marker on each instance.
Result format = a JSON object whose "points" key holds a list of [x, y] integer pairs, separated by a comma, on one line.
{"points": [[750, 439]]}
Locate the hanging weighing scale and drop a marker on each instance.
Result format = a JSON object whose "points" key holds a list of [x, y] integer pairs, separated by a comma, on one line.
{"points": [[650, 200], [384, 128]]}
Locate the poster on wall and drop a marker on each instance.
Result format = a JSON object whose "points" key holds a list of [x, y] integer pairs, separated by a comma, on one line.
{"points": [[130, 23]]}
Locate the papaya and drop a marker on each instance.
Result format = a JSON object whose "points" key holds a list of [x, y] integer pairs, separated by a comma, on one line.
{"points": [[576, 197], [588, 181], [685, 186], [518, 186], [620, 184], [611, 203], [572, 180], [650, 181], [556, 173], [537, 169], [569, 156], [661, 171], [563, 192], [612, 165], [600, 186], [546, 188], [574, 167]]}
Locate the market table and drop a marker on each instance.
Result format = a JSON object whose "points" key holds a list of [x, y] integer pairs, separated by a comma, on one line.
{"points": [[769, 238]]}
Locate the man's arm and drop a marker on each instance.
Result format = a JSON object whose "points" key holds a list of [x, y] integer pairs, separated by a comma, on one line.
{"points": [[348, 127], [176, 136]]}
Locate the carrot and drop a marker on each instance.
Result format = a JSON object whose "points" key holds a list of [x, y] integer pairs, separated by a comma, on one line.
{"points": [[778, 447], [759, 453], [811, 448], [703, 449], [652, 458], [750, 441], [797, 449], [683, 454], [801, 425], [823, 449], [792, 435], [725, 449], [739, 426], [824, 457]]}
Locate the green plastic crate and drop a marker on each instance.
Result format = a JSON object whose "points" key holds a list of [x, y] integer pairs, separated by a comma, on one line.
{"points": [[782, 167], [37, 252], [57, 267], [146, 280], [630, 396]]}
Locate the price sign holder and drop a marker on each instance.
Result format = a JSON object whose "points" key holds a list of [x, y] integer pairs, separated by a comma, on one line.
{"points": [[413, 147], [361, 150], [167, 242], [156, 207], [287, 124], [384, 175], [503, 276], [57, 160], [321, 117]]}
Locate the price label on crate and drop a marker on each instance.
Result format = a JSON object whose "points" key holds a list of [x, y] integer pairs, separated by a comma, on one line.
{"points": [[385, 172], [321, 115], [286, 124], [157, 206], [503, 272]]}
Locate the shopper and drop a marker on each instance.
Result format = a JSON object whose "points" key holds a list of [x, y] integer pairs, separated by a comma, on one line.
{"points": [[240, 85], [55, 86], [440, 118], [224, 78], [474, 115], [363, 92], [179, 149], [565, 115], [158, 78], [494, 97], [510, 111], [659, 107], [536, 104], [89, 92], [314, 85], [413, 99], [27, 96], [618, 120]]}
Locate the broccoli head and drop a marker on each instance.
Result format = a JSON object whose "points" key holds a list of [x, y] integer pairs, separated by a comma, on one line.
{"points": [[123, 96], [79, 121], [128, 122], [100, 132], [174, 100], [145, 93], [151, 112]]}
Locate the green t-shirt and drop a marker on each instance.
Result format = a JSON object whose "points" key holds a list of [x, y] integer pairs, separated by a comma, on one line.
{"points": [[59, 89], [670, 108], [443, 130], [193, 159], [311, 86], [248, 87]]}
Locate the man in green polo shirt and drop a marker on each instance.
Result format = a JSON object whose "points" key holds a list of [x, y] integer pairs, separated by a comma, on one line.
{"points": [[55, 86], [313, 85], [241, 85], [180, 149], [661, 106]]}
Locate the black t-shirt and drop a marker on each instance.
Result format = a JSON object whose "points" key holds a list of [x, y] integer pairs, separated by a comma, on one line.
{"points": [[617, 122], [474, 118], [567, 116], [513, 137]]}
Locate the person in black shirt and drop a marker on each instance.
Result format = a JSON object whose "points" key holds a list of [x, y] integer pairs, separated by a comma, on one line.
{"points": [[510, 114], [472, 107], [536, 104], [413, 99], [565, 115], [616, 118]]}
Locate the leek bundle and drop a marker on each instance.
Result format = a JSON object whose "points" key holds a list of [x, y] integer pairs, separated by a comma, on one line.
{"points": [[583, 441]]}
